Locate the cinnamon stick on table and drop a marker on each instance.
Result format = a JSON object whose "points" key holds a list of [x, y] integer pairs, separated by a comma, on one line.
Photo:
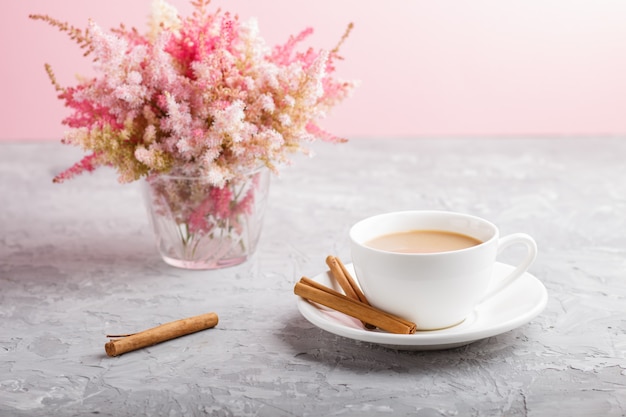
{"points": [[320, 294], [160, 333]]}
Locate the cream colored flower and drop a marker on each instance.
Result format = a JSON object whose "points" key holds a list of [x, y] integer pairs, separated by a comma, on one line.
{"points": [[164, 16]]}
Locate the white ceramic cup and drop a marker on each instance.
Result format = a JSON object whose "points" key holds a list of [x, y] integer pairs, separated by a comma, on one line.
{"points": [[434, 290]]}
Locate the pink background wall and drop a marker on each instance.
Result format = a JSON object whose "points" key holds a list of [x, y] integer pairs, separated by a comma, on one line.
{"points": [[428, 68]]}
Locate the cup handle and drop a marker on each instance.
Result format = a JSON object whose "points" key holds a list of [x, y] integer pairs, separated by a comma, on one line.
{"points": [[505, 242]]}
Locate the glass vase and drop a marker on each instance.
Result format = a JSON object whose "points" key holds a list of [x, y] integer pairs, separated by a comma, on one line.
{"points": [[200, 226]]}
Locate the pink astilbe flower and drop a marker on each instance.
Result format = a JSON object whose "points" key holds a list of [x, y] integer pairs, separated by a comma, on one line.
{"points": [[87, 113], [284, 54], [197, 95], [222, 198], [318, 132], [217, 204], [242, 208], [88, 163]]}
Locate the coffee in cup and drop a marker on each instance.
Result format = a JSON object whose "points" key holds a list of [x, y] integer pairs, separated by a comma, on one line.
{"points": [[422, 241], [431, 267]]}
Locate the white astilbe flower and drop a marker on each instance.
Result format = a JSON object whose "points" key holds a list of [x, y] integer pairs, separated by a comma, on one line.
{"points": [[160, 69], [149, 134], [313, 87], [273, 139], [178, 120], [122, 91], [284, 119], [254, 44], [164, 17], [230, 122], [218, 175], [267, 103], [143, 155], [289, 101]]}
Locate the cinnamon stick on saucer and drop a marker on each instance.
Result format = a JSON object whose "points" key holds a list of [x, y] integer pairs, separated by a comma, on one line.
{"points": [[344, 279], [320, 294], [167, 331], [346, 282]]}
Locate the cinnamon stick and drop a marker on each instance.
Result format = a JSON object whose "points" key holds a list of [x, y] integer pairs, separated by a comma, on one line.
{"points": [[160, 333], [320, 294], [346, 282], [344, 279]]}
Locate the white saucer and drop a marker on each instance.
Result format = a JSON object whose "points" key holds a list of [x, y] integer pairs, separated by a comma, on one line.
{"points": [[512, 307]]}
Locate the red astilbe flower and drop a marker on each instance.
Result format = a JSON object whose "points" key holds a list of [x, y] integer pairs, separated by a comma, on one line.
{"points": [[89, 163]]}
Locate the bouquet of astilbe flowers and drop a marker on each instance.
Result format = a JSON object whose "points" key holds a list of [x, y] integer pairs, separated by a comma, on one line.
{"points": [[201, 98], [197, 95]]}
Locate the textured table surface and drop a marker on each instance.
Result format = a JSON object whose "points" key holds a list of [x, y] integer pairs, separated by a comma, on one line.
{"points": [[77, 262]]}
